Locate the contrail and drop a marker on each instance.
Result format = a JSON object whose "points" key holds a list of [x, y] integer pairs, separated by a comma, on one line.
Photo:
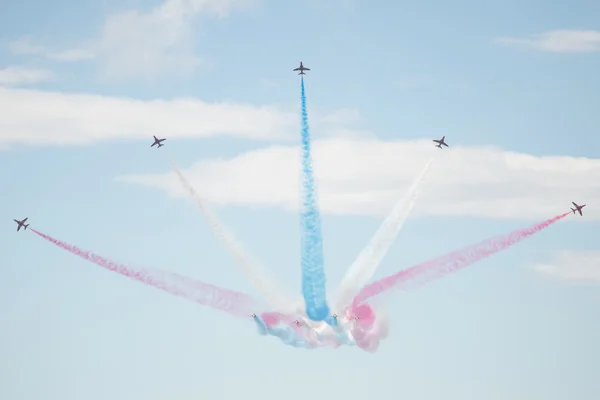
{"points": [[371, 256], [452, 262], [313, 271], [234, 303], [275, 299]]}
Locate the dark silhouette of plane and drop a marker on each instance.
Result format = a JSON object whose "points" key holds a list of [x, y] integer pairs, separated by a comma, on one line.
{"points": [[158, 142], [441, 142], [21, 224], [577, 208], [301, 68]]}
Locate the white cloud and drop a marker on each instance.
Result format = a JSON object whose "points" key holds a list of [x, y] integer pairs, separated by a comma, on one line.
{"points": [[37, 117], [13, 76], [143, 44], [573, 266], [162, 40], [558, 41], [368, 176], [27, 46]]}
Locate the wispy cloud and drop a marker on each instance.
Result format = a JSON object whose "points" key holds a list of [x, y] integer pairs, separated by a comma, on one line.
{"points": [[72, 55], [558, 41], [573, 266], [86, 118], [27, 46], [76, 119], [14, 76], [135, 44], [367, 176]]}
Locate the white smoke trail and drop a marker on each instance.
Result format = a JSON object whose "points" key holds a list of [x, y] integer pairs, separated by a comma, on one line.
{"points": [[371, 256], [275, 299]]}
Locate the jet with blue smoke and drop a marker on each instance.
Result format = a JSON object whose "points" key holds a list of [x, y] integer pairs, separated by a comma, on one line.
{"points": [[285, 333], [313, 272]]}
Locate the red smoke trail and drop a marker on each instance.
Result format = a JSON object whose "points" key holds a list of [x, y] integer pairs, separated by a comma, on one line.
{"points": [[429, 270], [234, 303]]}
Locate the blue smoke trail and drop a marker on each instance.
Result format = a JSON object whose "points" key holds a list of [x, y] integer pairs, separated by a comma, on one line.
{"points": [[313, 273]]}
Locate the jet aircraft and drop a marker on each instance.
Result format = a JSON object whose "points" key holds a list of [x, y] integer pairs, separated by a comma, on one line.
{"points": [[21, 224], [301, 68], [158, 142], [577, 208], [441, 142]]}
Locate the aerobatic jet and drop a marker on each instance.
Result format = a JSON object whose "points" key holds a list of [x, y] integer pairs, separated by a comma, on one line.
{"points": [[158, 142], [577, 208], [21, 224], [301, 68], [441, 142]]}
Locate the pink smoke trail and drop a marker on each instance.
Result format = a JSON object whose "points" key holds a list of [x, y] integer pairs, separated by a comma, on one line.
{"points": [[429, 270], [235, 303]]}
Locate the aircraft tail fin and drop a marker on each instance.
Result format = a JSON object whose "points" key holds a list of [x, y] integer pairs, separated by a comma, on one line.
{"points": [[25, 226], [572, 209]]}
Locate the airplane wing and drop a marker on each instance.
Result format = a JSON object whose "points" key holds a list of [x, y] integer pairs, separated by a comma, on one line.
{"points": [[297, 69], [16, 221], [445, 144], [25, 219], [437, 141], [574, 204], [306, 69]]}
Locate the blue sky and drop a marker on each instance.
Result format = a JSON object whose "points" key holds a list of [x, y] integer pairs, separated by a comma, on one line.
{"points": [[84, 86]]}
